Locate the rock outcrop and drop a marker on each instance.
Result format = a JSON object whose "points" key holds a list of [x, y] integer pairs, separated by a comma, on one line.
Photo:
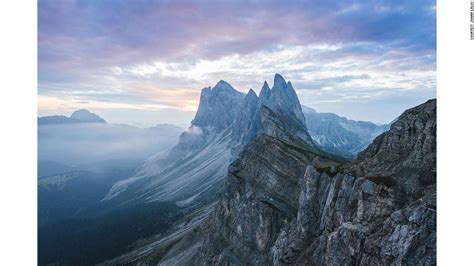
{"points": [[218, 106], [405, 156], [285, 205], [261, 197]]}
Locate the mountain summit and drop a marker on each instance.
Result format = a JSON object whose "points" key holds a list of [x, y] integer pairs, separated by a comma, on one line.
{"points": [[86, 116], [283, 98], [79, 116], [218, 106]]}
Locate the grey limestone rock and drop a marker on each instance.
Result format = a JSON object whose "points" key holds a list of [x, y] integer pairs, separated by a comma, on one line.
{"points": [[404, 156], [283, 201], [283, 205]]}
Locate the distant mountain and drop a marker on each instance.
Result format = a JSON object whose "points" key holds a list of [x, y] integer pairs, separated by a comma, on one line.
{"points": [[254, 180], [341, 135], [55, 119], [86, 116], [79, 116], [86, 138]]}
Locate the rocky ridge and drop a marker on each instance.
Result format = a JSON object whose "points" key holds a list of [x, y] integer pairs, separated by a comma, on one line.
{"points": [[318, 213], [405, 156]]}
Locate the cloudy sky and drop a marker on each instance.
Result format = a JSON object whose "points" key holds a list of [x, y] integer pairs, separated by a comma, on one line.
{"points": [[145, 62]]}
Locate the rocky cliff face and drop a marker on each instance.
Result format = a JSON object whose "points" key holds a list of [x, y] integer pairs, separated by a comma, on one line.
{"points": [[261, 197], [261, 200], [405, 156], [285, 204], [218, 106]]}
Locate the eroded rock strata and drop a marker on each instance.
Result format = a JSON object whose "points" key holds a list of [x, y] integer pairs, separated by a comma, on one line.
{"points": [[284, 204]]}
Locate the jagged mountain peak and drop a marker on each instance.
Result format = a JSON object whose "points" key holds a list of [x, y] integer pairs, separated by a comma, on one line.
{"points": [[247, 125], [276, 112], [251, 94], [218, 106], [249, 105], [224, 86], [283, 98], [278, 82], [264, 92], [221, 88], [289, 85], [223, 83]]}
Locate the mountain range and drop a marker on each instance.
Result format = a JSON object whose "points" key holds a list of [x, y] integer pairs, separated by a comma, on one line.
{"points": [[227, 120], [79, 116], [257, 187], [340, 135], [85, 138], [285, 205], [377, 210], [260, 179]]}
